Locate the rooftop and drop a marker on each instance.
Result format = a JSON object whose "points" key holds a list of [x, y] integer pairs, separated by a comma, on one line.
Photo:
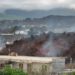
{"points": [[28, 59]]}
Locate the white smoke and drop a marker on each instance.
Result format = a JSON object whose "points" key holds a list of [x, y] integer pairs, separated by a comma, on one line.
{"points": [[53, 49], [49, 49]]}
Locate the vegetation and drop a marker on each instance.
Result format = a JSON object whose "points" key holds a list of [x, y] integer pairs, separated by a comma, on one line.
{"points": [[11, 71], [73, 73]]}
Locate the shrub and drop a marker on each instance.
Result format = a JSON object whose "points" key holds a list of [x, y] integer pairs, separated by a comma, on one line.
{"points": [[73, 73], [11, 71]]}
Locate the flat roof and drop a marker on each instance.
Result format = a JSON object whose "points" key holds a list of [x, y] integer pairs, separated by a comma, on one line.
{"points": [[28, 59]]}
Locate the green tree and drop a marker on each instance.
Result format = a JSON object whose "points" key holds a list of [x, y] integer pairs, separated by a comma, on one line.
{"points": [[12, 71]]}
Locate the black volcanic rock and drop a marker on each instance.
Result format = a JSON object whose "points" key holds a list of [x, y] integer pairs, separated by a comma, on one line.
{"points": [[28, 46]]}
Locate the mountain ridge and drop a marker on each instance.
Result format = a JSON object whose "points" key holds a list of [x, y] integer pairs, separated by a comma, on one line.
{"points": [[12, 13]]}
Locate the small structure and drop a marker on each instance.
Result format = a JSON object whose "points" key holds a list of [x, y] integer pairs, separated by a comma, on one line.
{"points": [[13, 54], [36, 65]]}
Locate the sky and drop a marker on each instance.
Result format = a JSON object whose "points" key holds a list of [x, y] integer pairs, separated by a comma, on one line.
{"points": [[36, 4]]}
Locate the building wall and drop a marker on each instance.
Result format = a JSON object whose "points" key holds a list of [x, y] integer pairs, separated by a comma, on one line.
{"points": [[38, 68]]}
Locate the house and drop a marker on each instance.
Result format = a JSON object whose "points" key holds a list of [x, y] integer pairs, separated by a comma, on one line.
{"points": [[33, 65]]}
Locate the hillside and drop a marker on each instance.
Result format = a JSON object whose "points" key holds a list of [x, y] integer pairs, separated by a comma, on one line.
{"points": [[54, 23]]}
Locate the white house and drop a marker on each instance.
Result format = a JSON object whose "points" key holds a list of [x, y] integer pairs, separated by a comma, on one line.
{"points": [[33, 65]]}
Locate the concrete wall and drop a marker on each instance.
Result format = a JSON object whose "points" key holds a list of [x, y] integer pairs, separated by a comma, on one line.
{"points": [[58, 64], [37, 66]]}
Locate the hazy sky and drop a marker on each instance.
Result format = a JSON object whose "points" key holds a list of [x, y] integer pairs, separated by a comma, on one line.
{"points": [[36, 4]]}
